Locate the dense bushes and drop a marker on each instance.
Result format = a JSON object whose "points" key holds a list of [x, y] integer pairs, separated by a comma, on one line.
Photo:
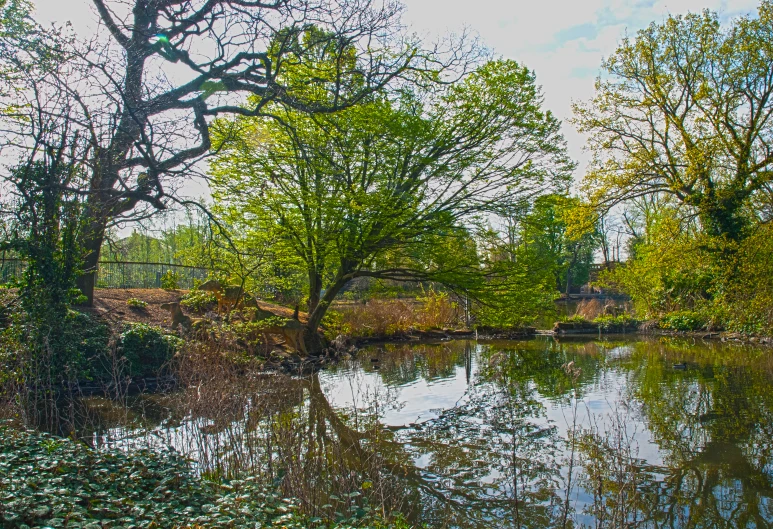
{"points": [[692, 282], [47, 481], [198, 301], [683, 320], [146, 348], [81, 345], [87, 349]]}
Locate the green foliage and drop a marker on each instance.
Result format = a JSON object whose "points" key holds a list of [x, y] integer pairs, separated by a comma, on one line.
{"points": [[170, 280], [506, 307], [463, 150], [136, 303], [691, 281], [43, 233], [555, 237], [147, 348], [49, 481], [82, 348], [683, 109], [683, 320], [624, 321], [167, 241], [198, 301], [575, 318], [747, 298]]}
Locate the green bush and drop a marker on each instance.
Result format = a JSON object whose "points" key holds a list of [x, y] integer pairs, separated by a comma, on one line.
{"points": [[136, 303], [621, 321], [684, 320], [147, 348], [574, 318], [198, 300], [170, 280]]}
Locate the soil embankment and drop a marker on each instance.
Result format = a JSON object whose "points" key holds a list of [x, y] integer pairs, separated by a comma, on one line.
{"points": [[112, 305]]}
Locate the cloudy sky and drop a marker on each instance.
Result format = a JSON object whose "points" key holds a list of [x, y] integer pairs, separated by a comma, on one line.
{"points": [[564, 41]]}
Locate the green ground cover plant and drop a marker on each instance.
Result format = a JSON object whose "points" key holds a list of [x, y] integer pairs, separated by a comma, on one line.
{"points": [[198, 301], [47, 481], [147, 348], [136, 303]]}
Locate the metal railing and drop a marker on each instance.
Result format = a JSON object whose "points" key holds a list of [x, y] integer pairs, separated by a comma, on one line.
{"points": [[115, 274], [11, 269]]}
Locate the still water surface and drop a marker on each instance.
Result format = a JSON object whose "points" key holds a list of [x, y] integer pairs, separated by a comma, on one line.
{"points": [[620, 432]]}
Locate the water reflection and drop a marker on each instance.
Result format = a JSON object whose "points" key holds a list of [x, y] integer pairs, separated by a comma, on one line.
{"points": [[537, 433]]}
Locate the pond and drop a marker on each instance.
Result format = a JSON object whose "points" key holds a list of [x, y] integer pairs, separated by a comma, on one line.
{"points": [[623, 431]]}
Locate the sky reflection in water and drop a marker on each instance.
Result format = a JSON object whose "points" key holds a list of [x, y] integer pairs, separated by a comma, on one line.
{"points": [[667, 432]]}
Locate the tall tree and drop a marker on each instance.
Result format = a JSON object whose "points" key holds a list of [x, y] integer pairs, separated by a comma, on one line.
{"points": [[558, 237], [377, 190], [685, 109], [142, 92]]}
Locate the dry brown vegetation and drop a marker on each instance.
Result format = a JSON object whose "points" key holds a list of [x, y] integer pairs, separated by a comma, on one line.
{"points": [[590, 309], [387, 317]]}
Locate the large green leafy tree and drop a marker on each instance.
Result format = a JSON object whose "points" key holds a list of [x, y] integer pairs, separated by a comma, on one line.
{"points": [[555, 237], [370, 190], [685, 109]]}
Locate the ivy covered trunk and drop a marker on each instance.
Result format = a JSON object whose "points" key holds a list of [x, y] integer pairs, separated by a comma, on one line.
{"points": [[91, 243]]}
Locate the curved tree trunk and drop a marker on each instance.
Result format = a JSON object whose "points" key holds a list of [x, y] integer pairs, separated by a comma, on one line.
{"points": [[314, 340]]}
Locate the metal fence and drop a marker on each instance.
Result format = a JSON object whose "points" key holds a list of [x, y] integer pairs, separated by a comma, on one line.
{"points": [[113, 274]]}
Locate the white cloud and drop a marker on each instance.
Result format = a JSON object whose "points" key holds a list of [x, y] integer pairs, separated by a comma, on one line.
{"points": [[564, 42]]}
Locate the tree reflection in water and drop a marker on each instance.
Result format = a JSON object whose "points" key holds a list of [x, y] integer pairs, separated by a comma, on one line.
{"points": [[655, 446]]}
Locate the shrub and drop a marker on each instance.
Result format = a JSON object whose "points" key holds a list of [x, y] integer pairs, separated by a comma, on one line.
{"points": [[748, 298], [621, 321], [576, 318], [170, 280], [437, 310], [683, 320], [147, 348], [136, 303], [198, 300], [377, 317]]}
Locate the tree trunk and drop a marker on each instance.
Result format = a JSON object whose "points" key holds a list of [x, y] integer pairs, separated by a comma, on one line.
{"points": [[314, 341], [91, 242], [315, 289]]}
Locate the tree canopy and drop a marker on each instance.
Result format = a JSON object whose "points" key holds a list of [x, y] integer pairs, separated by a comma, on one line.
{"points": [[366, 191], [138, 98], [684, 108]]}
